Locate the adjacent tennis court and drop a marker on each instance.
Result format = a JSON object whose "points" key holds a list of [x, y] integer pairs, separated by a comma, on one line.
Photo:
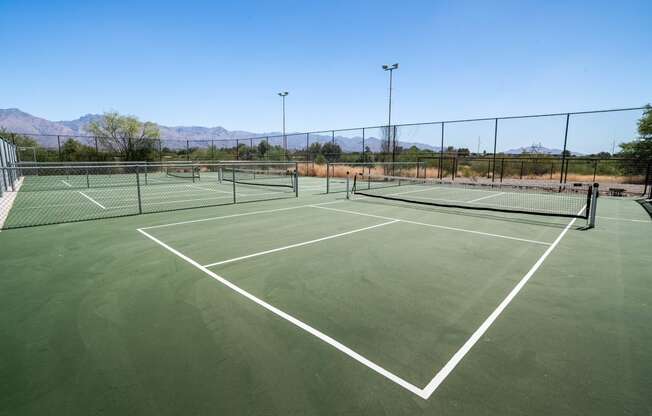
{"points": [[398, 300]]}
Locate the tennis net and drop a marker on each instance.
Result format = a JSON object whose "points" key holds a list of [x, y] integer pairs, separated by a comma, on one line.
{"points": [[183, 172], [568, 200], [262, 176]]}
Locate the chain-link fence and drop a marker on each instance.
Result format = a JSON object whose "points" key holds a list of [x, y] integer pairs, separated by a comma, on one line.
{"points": [[557, 146], [66, 193], [633, 176], [337, 173]]}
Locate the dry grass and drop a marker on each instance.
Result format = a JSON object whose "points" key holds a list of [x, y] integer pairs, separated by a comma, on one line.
{"points": [[340, 171]]}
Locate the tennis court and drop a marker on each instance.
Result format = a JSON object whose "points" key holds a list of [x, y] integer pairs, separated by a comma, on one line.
{"points": [[384, 303]]}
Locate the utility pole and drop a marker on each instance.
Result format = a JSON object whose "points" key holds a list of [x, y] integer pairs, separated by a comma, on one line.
{"points": [[391, 69]]}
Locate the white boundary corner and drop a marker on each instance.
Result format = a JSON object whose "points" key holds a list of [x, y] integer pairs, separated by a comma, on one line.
{"points": [[441, 375]]}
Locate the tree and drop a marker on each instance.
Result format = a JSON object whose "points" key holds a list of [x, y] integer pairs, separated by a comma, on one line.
{"points": [[18, 139], [645, 123], [639, 149], [125, 135], [331, 151], [314, 149], [263, 148]]}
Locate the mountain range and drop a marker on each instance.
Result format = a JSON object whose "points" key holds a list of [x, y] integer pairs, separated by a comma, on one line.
{"points": [[45, 132]]}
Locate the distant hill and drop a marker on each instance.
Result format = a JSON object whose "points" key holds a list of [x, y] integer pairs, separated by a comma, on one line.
{"points": [[534, 149], [15, 120]]}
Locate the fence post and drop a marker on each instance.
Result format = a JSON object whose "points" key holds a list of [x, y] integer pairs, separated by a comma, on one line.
{"points": [[187, 150], [595, 168], [648, 172], [502, 168], [140, 204], [563, 152], [493, 171], [59, 147], [364, 149], [307, 148], [3, 165], [522, 163], [441, 153], [394, 151], [237, 149]]}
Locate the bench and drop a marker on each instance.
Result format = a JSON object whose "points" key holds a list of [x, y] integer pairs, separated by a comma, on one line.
{"points": [[616, 192]]}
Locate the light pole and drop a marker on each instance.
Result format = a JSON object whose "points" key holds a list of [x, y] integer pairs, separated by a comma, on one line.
{"points": [[391, 69], [285, 140]]}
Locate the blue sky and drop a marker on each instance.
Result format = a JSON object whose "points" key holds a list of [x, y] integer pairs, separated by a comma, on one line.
{"points": [[222, 63]]}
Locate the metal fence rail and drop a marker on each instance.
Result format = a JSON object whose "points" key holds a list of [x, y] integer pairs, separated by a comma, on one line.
{"points": [[563, 130], [56, 194], [7, 158]]}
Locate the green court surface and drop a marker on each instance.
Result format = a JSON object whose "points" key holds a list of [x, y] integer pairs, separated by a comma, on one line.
{"points": [[323, 305]]}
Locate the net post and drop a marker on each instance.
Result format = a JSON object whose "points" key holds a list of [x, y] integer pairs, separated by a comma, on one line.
{"points": [[88, 180], [220, 173], [192, 171], [328, 181], [347, 185], [140, 204], [595, 168], [594, 204], [233, 177]]}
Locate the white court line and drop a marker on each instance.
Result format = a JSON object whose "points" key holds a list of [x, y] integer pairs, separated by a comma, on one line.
{"points": [[92, 200], [622, 219], [325, 338], [487, 197], [459, 355], [463, 230], [243, 214], [305, 243], [66, 183], [441, 375], [213, 190], [415, 191]]}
